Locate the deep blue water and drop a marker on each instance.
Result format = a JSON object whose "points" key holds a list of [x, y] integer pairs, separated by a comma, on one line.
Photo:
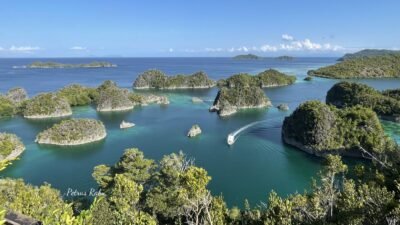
{"points": [[256, 164]]}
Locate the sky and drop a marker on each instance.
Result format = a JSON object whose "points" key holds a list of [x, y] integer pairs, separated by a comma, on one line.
{"points": [[206, 28]]}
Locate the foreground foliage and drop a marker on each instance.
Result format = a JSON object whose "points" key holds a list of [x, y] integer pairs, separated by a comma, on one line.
{"points": [[140, 191]]}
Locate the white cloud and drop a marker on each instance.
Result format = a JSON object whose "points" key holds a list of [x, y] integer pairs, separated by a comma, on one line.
{"points": [[268, 48], [25, 49], [287, 37], [1, 48], [78, 48], [171, 50], [214, 49], [308, 45]]}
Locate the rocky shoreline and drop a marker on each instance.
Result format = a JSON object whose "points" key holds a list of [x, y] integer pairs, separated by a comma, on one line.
{"points": [[73, 132]]}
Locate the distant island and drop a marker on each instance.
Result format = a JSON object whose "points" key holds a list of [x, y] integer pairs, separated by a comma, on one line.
{"points": [[247, 57], [10, 148], [56, 65], [321, 129], [267, 78], [73, 132], [386, 104], [378, 66], [285, 58], [368, 53], [156, 79]]}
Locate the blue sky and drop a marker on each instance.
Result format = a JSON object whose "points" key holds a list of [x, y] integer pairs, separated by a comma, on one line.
{"points": [[173, 28]]}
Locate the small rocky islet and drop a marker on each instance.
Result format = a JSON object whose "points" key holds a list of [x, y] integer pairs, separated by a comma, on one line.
{"points": [[73, 132]]}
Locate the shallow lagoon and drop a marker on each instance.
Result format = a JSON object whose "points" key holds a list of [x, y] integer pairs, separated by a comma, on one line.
{"points": [[256, 164]]}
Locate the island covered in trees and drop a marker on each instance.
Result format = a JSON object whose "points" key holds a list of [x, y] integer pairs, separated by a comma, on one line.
{"points": [[368, 53], [347, 94], [360, 66], [285, 58], [56, 65], [73, 132], [321, 129], [247, 57], [156, 79]]}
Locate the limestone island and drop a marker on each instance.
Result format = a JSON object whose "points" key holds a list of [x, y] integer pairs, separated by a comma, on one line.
{"points": [[113, 98], [10, 148], [144, 100], [285, 58], [73, 132], [247, 57], [194, 131], [156, 79], [229, 100], [268, 78], [13, 102], [347, 94], [47, 105], [283, 107], [320, 129], [125, 125], [78, 95], [376, 66], [368, 53], [56, 65]]}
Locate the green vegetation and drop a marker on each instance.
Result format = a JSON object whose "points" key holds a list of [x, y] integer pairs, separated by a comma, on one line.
{"points": [[368, 53], [78, 95], [7, 107], [229, 100], [362, 67], [47, 105], [53, 65], [319, 129], [247, 57], [113, 98], [17, 95], [140, 191], [10, 148], [285, 58], [73, 132], [268, 78], [308, 78], [158, 80], [346, 94]]}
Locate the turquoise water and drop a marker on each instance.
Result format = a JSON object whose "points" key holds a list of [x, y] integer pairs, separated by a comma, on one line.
{"points": [[256, 164]]}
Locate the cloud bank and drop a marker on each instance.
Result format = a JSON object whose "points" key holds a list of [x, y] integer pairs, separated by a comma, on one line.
{"points": [[78, 48], [23, 49]]}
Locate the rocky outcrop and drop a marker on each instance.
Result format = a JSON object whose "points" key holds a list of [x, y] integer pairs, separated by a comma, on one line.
{"points": [[17, 95], [283, 107], [113, 98], [229, 100], [125, 125], [10, 148], [47, 105], [320, 129], [194, 131], [158, 80], [197, 100], [73, 132], [155, 99]]}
